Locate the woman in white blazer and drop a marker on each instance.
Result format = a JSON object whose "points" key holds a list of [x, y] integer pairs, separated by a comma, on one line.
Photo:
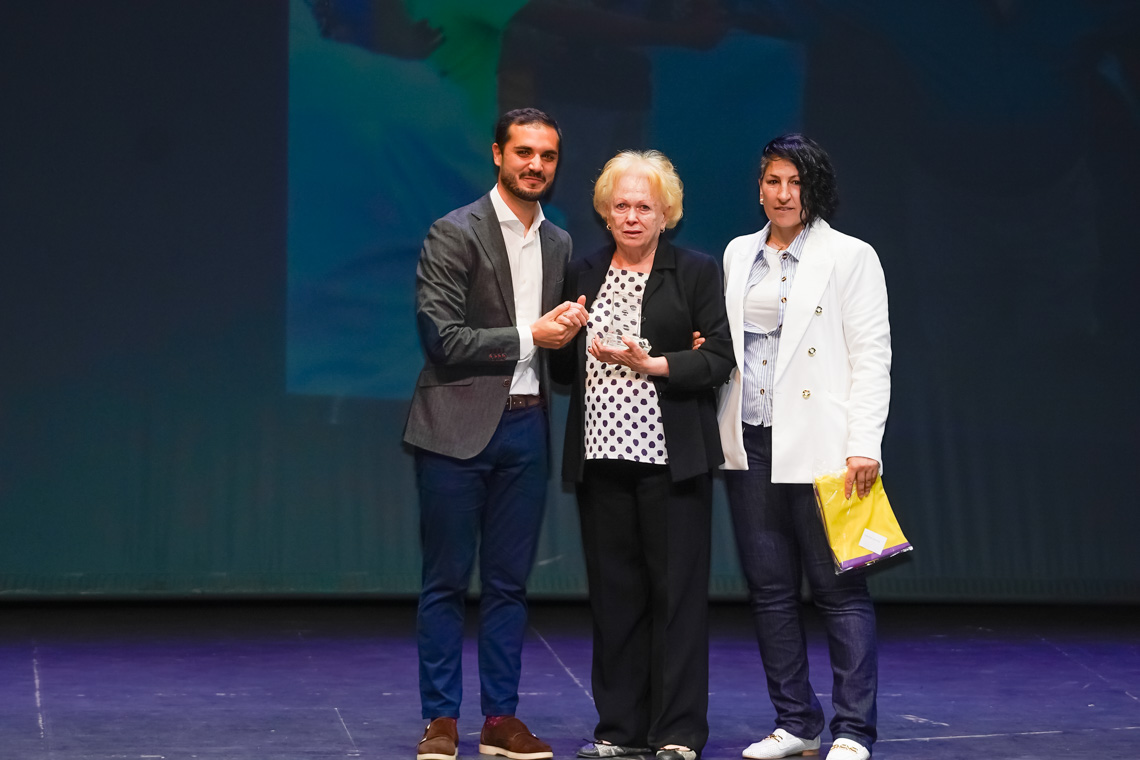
{"points": [[807, 311]]}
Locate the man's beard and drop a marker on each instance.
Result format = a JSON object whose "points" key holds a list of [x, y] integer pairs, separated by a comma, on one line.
{"points": [[513, 187]]}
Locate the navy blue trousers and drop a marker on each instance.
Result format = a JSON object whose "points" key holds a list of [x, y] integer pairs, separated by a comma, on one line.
{"points": [[495, 501]]}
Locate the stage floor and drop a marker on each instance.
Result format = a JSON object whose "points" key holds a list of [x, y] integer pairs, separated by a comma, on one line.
{"points": [[338, 680]]}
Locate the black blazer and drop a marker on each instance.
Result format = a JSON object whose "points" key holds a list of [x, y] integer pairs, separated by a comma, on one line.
{"points": [[684, 293]]}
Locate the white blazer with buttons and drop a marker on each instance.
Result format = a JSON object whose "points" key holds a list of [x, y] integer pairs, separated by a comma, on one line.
{"points": [[832, 381]]}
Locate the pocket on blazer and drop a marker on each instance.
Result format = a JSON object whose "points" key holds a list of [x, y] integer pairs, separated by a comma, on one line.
{"points": [[430, 378]]}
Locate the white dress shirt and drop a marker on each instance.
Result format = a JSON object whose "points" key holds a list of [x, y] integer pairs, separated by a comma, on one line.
{"points": [[524, 252]]}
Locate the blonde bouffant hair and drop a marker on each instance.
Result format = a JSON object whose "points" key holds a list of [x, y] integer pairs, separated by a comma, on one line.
{"points": [[656, 168]]}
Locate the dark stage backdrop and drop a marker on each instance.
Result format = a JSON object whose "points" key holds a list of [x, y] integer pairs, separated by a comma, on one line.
{"points": [[211, 212]]}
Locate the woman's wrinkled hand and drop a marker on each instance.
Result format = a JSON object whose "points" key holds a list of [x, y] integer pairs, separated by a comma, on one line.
{"points": [[632, 356]]}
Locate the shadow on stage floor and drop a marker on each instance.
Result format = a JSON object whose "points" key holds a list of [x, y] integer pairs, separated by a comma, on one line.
{"points": [[338, 680]]}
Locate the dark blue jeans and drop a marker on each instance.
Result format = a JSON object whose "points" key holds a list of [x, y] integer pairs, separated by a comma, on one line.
{"points": [[495, 499], [779, 537]]}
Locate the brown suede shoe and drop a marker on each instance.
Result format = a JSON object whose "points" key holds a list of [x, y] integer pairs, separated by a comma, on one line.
{"points": [[511, 738], [440, 742]]}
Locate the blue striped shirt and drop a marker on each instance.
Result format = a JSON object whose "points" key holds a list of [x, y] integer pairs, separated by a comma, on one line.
{"points": [[760, 347]]}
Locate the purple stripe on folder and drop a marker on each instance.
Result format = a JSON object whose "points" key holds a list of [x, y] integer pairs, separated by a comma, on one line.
{"points": [[867, 559]]}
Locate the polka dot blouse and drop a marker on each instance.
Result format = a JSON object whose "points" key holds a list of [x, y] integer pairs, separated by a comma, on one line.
{"points": [[623, 418]]}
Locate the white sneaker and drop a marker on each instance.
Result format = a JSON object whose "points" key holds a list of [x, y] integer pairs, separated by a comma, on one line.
{"points": [[848, 749], [780, 743]]}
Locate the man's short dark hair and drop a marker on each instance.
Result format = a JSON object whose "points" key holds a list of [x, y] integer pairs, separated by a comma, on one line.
{"points": [[818, 195], [523, 116]]}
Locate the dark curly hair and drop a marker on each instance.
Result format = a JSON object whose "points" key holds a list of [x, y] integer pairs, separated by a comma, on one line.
{"points": [[818, 195], [523, 116]]}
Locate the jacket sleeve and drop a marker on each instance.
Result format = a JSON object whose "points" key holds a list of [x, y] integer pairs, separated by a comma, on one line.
{"points": [[449, 333], [709, 365], [867, 332]]}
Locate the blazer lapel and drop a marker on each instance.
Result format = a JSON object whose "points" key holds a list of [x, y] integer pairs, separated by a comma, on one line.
{"points": [[593, 274], [734, 291], [485, 225], [664, 258], [553, 260], [817, 260]]}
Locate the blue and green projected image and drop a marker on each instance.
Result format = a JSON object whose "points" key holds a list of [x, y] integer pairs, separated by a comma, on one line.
{"points": [[391, 113]]}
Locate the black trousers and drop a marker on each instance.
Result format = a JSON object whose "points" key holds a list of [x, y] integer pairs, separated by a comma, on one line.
{"points": [[647, 542]]}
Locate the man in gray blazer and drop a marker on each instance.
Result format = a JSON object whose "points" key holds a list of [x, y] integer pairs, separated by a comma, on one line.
{"points": [[487, 287]]}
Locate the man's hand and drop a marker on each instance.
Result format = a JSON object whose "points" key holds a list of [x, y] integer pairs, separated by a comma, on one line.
{"points": [[697, 339], [574, 316], [557, 327], [861, 474]]}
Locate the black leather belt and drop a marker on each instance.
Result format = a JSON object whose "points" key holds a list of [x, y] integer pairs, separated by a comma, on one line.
{"points": [[522, 402]]}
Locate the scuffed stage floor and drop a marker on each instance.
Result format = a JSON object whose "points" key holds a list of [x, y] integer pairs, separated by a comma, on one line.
{"points": [[338, 680]]}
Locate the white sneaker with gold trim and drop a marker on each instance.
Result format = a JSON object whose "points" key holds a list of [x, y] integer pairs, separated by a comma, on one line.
{"points": [[848, 749], [780, 743]]}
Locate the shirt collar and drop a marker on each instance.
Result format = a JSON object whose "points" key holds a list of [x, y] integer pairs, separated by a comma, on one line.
{"points": [[506, 216], [796, 248]]}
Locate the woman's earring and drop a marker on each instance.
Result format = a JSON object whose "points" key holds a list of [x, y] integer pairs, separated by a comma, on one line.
{"points": [[608, 227]]}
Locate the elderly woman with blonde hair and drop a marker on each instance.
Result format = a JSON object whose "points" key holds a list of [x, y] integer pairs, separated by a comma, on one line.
{"points": [[641, 442]]}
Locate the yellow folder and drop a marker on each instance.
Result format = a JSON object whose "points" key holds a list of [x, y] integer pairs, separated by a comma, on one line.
{"points": [[860, 531]]}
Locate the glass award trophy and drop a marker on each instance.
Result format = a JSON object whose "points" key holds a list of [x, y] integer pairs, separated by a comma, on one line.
{"points": [[625, 322]]}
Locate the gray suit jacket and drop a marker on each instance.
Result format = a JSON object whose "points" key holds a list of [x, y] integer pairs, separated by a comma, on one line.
{"points": [[465, 313]]}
